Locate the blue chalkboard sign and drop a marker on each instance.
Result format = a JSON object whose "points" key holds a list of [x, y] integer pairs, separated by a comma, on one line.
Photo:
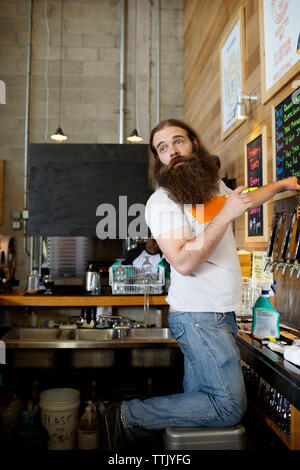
{"points": [[287, 136]]}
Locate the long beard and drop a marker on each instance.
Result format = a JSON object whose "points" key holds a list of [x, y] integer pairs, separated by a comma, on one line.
{"points": [[189, 179]]}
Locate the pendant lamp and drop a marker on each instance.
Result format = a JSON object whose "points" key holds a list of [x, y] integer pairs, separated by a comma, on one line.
{"points": [[59, 135], [134, 137]]}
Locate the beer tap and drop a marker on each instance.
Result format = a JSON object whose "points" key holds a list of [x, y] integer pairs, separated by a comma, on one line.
{"points": [[278, 241], [296, 264], [292, 240], [272, 238], [285, 246], [289, 244]]}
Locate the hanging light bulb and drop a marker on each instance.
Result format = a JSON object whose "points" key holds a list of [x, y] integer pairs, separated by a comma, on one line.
{"points": [[59, 136], [298, 45], [134, 136]]}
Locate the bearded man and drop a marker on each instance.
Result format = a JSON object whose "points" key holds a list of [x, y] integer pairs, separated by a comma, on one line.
{"points": [[190, 215]]}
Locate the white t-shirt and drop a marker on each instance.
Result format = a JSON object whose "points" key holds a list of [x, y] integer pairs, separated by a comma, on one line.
{"points": [[215, 285]]}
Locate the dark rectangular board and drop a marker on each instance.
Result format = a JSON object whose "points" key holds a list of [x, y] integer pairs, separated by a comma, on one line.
{"points": [[255, 179], [287, 135], [67, 182]]}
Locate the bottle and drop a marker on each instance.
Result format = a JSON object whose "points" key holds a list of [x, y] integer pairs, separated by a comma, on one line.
{"points": [[158, 319], [88, 428], [265, 317], [33, 282], [164, 264], [33, 319], [31, 435], [33, 402]]}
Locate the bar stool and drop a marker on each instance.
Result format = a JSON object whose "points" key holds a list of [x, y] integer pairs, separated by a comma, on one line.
{"points": [[181, 438]]}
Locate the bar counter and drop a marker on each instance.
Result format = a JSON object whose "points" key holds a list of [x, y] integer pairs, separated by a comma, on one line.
{"points": [[280, 374], [18, 299], [272, 366]]}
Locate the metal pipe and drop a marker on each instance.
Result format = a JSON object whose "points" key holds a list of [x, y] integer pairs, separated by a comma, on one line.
{"points": [[158, 66], [28, 70], [122, 85]]}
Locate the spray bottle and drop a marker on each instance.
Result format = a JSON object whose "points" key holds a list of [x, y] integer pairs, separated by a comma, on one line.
{"points": [[265, 317]]}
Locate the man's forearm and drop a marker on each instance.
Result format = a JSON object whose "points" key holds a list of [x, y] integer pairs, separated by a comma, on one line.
{"points": [[196, 251], [264, 193]]}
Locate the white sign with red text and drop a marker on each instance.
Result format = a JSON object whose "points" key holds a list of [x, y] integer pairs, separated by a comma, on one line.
{"points": [[281, 32]]}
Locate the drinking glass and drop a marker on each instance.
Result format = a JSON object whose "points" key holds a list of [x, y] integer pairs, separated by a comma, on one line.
{"points": [[95, 283], [255, 293], [120, 276], [147, 270], [48, 283], [245, 308]]}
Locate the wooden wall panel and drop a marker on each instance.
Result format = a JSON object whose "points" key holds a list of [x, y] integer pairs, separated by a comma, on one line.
{"points": [[204, 24], [1, 190]]}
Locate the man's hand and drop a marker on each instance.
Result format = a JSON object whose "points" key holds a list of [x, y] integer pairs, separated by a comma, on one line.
{"points": [[291, 184], [236, 204], [265, 193]]}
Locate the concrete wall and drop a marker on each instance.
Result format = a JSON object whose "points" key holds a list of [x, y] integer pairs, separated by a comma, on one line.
{"points": [[90, 80]]}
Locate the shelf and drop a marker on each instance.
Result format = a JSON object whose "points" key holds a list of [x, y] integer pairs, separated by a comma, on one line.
{"points": [[282, 436], [17, 299]]}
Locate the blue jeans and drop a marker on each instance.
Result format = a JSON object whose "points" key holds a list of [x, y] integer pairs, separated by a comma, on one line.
{"points": [[214, 393]]}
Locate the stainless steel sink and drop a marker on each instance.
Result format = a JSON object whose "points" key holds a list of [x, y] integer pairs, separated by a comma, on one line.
{"points": [[32, 334], [149, 333], [35, 347], [94, 335], [156, 354], [53, 337], [49, 337]]}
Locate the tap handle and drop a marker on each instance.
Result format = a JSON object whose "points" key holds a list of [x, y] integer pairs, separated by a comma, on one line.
{"points": [[273, 233]]}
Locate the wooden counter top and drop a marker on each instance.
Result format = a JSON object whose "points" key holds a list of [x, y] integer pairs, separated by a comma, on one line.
{"points": [[18, 299]]}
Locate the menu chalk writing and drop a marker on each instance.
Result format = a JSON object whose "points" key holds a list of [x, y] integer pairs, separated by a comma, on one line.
{"points": [[287, 135], [255, 179]]}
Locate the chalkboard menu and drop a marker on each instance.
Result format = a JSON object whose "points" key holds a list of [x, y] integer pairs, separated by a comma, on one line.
{"points": [[255, 179], [287, 135]]}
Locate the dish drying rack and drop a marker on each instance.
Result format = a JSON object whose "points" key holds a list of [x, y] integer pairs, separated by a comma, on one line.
{"points": [[136, 283]]}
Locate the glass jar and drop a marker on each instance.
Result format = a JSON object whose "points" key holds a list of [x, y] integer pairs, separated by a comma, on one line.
{"points": [[33, 282]]}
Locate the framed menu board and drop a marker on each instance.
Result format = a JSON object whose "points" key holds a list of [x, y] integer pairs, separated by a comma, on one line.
{"points": [[256, 222], [232, 72], [286, 136], [279, 32]]}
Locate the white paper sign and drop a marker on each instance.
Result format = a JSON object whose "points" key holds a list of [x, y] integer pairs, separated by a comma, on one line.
{"points": [[232, 74], [258, 262], [281, 31]]}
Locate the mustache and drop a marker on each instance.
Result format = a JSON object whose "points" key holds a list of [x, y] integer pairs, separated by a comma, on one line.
{"points": [[178, 159]]}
